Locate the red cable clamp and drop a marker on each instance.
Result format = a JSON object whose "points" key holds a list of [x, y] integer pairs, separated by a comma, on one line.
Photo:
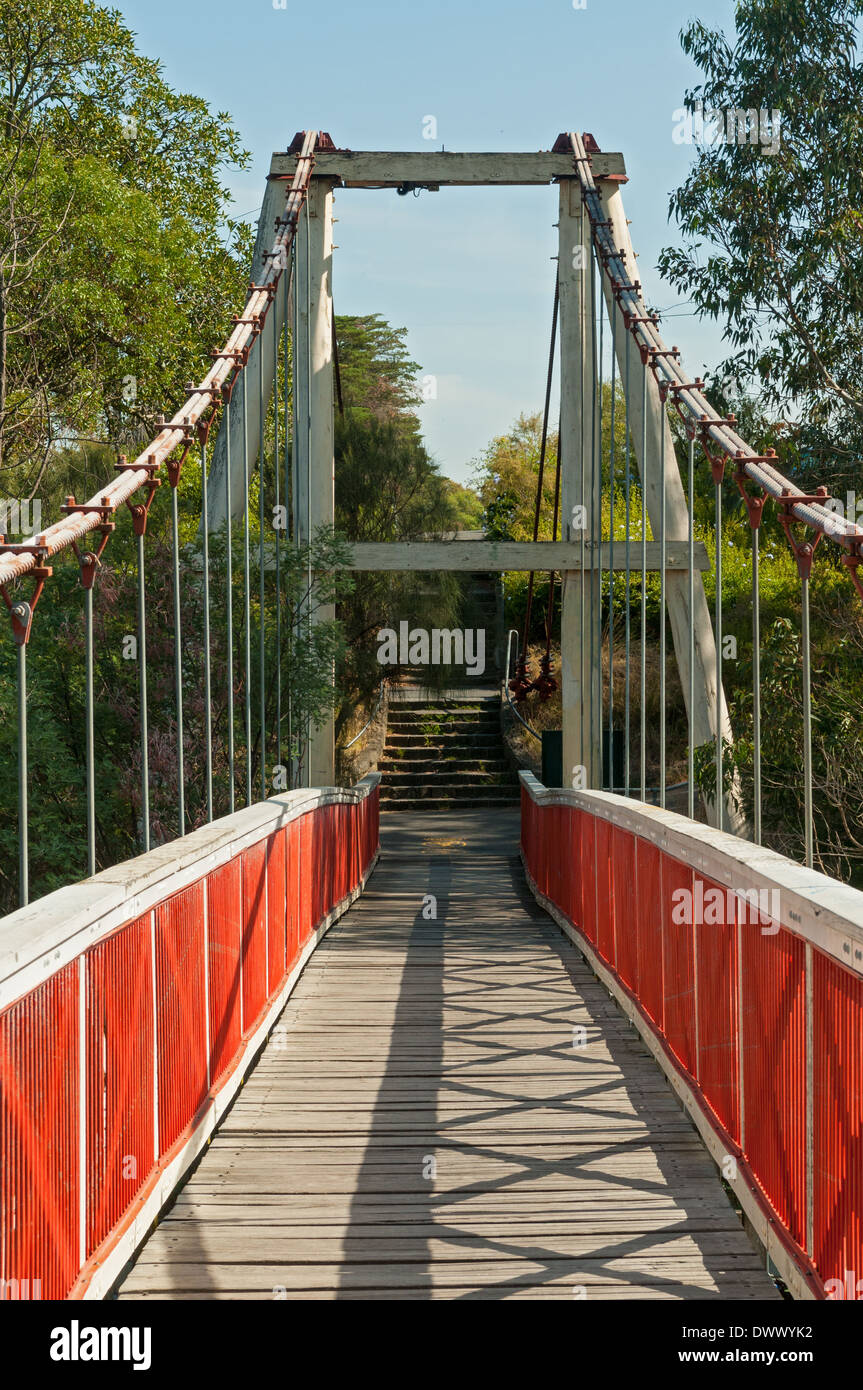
{"points": [[803, 551], [675, 387], [171, 425], [203, 427], [91, 559], [620, 287], [123, 466], [139, 511], [37, 548], [718, 462], [174, 466], [238, 356], [104, 509], [853, 562], [754, 505], [650, 354], [631, 319], [696, 385], [212, 391], [21, 613]]}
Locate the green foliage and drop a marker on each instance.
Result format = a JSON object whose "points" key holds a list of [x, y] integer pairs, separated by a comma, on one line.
{"points": [[118, 271], [118, 266], [505, 477], [377, 375], [774, 246], [55, 659], [499, 516], [466, 506], [837, 737], [387, 485]]}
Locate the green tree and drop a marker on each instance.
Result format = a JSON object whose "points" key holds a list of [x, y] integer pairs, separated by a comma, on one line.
{"points": [[509, 468], [774, 234], [466, 505], [378, 377], [57, 781], [118, 266]]}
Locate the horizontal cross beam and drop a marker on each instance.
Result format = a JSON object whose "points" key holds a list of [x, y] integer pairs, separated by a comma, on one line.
{"points": [[498, 556], [389, 169]]}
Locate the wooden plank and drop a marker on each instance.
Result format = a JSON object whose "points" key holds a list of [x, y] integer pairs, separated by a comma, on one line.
{"points": [[554, 1166], [552, 1290], [226, 1244], [499, 556], [225, 1279], [390, 168]]}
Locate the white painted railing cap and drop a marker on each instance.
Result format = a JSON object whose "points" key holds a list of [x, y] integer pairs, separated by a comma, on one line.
{"points": [[38, 940], [825, 912]]}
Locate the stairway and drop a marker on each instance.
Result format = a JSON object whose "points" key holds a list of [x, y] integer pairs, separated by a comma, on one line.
{"points": [[445, 755], [444, 750]]}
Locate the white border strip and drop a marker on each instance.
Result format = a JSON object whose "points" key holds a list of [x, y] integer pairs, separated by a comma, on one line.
{"points": [[827, 914], [108, 1272]]}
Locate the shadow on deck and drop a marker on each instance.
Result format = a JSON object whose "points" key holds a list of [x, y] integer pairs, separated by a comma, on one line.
{"points": [[421, 1124]]}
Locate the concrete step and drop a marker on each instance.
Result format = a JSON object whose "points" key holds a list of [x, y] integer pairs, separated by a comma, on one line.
{"points": [[486, 704], [420, 791], [454, 746], [450, 696], [421, 716], [405, 721], [445, 755], [454, 776], [452, 803], [422, 760], [456, 680]]}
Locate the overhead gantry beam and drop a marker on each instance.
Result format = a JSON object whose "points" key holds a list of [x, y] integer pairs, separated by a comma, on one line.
{"points": [[390, 169], [474, 557]]}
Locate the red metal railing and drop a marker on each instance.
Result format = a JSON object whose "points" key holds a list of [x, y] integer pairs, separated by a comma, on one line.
{"points": [[762, 1020], [117, 1063]]}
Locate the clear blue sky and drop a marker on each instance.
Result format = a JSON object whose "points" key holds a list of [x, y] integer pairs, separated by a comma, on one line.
{"points": [[467, 271]]}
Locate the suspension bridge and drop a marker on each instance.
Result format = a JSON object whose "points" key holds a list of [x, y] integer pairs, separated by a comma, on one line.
{"points": [[588, 1047]]}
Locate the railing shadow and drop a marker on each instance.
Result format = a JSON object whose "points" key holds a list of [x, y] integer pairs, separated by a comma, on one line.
{"points": [[657, 1153]]}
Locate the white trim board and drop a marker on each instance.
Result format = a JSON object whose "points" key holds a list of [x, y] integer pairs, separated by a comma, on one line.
{"points": [[38, 940], [814, 906]]}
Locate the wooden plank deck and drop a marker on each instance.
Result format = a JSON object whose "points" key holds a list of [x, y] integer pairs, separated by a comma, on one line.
{"points": [[421, 1126]]}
